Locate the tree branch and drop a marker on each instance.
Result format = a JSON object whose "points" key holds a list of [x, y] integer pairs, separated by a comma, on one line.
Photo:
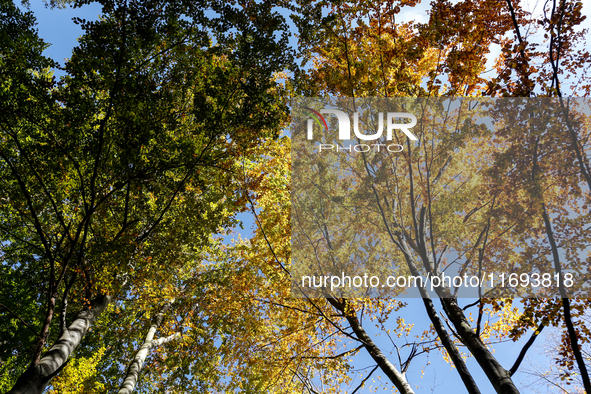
{"points": [[21, 320], [525, 348]]}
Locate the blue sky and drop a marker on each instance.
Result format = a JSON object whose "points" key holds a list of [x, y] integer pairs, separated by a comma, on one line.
{"points": [[57, 28]]}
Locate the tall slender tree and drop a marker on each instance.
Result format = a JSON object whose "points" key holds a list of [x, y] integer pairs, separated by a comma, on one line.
{"points": [[158, 102]]}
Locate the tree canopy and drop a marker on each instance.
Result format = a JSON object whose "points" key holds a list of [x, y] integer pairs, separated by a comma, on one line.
{"points": [[122, 182]]}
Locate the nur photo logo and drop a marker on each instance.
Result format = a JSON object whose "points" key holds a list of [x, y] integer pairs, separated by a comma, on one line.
{"points": [[394, 121]]}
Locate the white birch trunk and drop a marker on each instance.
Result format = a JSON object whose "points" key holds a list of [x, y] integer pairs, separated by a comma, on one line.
{"points": [[136, 365], [37, 377]]}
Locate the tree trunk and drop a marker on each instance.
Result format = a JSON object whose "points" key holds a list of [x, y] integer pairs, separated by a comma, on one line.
{"points": [[136, 365], [396, 377], [497, 375], [37, 377], [446, 340], [570, 328]]}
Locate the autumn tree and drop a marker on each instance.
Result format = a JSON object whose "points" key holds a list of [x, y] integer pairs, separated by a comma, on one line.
{"points": [[370, 54], [554, 68], [159, 100], [163, 128]]}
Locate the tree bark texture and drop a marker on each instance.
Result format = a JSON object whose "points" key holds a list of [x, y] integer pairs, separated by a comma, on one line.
{"points": [[133, 372], [36, 378]]}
